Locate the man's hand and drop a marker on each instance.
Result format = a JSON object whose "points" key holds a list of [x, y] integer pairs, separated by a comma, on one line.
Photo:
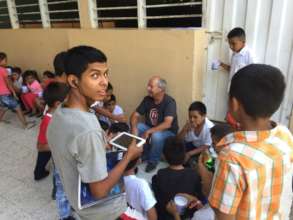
{"points": [[146, 134]]}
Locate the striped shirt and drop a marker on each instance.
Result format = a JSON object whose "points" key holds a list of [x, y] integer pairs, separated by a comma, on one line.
{"points": [[253, 177]]}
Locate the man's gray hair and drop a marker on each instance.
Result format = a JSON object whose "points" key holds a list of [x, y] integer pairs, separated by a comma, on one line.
{"points": [[162, 84]]}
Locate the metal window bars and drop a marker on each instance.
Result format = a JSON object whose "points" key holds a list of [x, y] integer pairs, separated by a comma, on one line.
{"points": [[42, 12], [139, 12], [63, 11], [25, 12], [143, 14], [4, 15]]}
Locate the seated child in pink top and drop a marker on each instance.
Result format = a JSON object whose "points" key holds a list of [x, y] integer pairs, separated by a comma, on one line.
{"points": [[32, 98]]}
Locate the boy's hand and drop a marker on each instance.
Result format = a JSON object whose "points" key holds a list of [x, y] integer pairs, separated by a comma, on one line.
{"points": [[203, 171], [206, 176], [225, 66], [187, 157], [188, 126], [133, 151], [171, 208], [193, 201]]}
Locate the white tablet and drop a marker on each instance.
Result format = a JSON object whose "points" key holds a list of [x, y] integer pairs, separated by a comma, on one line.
{"points": [[124, 139]]}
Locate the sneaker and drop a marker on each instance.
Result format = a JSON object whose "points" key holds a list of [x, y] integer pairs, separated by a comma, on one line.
{"points": [[150, 167], [42, 176]]}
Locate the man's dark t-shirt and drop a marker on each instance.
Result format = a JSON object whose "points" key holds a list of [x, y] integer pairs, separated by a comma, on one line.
{"points": [[155, 113], [169, 182]]}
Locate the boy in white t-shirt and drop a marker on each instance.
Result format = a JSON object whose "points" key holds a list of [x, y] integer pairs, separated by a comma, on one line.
{"points": [[242, 55], [196, 132], [116, 113], [139, 196]]}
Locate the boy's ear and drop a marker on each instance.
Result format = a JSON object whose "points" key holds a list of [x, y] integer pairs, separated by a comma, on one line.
{"points": [[72, 81], [56, 104], [234, 106]]}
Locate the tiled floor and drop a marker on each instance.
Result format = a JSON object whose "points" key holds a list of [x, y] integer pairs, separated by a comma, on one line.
{"points": [[21, 198]]}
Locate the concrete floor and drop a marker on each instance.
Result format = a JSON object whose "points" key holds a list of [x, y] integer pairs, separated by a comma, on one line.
{"points": [[20, 196]]}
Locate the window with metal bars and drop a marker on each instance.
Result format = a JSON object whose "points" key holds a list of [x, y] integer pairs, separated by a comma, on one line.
{"points": [[28, 13], [4, 15], [174, 13], [117, 13], [63, 13], [60, 13], [156, 13]]}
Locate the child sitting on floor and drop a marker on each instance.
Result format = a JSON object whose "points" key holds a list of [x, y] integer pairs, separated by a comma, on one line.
{"points": [[196, 132], [205, 212], [175, 178], [139, 196], [115, 110], [48, 77], [32, 99]]}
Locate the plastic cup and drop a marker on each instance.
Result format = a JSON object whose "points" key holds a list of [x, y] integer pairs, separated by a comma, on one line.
{"points": [[181, 203], [24, 89], [216, 64]]}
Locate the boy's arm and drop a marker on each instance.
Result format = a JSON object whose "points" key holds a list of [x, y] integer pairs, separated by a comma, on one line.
{"points": [[171, 208], [100, 189], [198, 150], [152, 214], [225, 66], [105, 112], [222, 216], [227, 187], [205, 175], [9, 85]]}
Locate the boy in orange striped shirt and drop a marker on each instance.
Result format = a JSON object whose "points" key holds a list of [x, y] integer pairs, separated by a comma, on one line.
{"points": [[253, 174]]}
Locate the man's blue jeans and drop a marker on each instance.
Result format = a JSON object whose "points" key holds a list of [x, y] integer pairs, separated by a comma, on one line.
{"points": [[153, 149]]}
